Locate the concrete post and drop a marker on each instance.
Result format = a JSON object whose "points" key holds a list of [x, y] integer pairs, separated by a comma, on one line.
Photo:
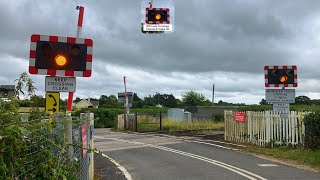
{"points": [[68, 134]]}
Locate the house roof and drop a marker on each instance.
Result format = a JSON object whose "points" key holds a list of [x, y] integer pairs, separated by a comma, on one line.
{"points": [[91, 103], [8, 87]]}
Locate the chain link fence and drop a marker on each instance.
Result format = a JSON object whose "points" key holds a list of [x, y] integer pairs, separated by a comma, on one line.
{"points": [[41, 149]]}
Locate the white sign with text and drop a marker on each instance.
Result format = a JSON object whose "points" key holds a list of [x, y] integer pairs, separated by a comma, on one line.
{"points": [[60, 84], [280, 95], [281, 107]]}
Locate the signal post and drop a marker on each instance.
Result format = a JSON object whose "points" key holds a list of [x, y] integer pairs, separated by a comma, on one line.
{"points": [[62, 59]]}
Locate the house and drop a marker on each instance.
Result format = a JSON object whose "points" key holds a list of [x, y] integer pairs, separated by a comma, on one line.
{"points": [[7, 90], [87, 103]]}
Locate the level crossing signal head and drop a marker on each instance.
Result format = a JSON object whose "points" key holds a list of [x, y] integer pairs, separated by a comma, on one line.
{"points": [[280, 76], [63, 56], [157, 16]]}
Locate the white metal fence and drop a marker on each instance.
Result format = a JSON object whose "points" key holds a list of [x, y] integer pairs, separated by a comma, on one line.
{"points": [[265, 128]]}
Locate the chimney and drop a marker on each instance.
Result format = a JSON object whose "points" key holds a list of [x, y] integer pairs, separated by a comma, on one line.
{"points": [[89, 99]]}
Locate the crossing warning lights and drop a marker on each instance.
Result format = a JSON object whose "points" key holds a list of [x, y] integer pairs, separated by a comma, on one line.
{"points": [[61, 56], [60, 60], [157, 18], [281, 76]]}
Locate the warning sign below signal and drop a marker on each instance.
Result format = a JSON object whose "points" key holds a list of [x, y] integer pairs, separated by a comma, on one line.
{"points": [[60, 84]]}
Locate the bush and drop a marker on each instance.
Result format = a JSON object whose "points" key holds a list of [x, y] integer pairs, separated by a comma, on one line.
{"points": [[104, 118], [312, 130], [29, 150]]}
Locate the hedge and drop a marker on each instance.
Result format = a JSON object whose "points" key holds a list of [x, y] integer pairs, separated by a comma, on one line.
{"points": [[312, 130], [107, 117]]}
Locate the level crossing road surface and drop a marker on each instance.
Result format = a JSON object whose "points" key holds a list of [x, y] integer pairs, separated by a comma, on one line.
{"points": [[149, 156]]}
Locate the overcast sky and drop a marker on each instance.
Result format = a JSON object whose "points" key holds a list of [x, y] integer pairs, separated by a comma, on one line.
{"points": [[222, 42]]}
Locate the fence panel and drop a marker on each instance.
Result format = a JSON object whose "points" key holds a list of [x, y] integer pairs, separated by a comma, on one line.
{"points": [[265, 128], [43, 137], [149, 122]]}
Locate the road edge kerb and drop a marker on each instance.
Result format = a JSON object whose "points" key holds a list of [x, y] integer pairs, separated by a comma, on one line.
{"points": [[119, 166]]}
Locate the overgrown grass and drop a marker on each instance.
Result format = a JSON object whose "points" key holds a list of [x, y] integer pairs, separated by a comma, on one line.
{"points": [[299, 155], [149, 123], [172, 125]]}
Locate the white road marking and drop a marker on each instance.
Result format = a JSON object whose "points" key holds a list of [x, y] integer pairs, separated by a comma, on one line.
{"points": [[237, 170], [267, 165], [184, 139], [120, 167], [240, 145]]}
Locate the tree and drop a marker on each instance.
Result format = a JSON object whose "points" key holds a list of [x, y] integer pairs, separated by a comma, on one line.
{"points": [[149, 101], [194, 99], [77, 100], [38, 101], [170, 101], [263, 102], [303, 100], [103, 100], [24, 81], [137, 102], [136, 97], [109, 102]]}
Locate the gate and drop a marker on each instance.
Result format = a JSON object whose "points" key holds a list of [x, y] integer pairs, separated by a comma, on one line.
{"points": [[148, 122]]}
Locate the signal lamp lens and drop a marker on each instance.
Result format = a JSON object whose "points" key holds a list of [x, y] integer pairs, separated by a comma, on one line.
{"points": [[283, 79], [46, 49], [275, 72], [290, 72], [158, 17], [60, 60], [75, 50]]}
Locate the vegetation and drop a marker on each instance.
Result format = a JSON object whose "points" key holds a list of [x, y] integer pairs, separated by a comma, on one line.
{"points": [[172, 125], [30, 150], [107, 117], [312, 130], [299, 155], [149, 122], [195, 99], [24, 81]]}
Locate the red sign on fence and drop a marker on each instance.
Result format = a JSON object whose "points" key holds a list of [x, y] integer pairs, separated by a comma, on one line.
{"points": [[84, 140], [240, 117]]}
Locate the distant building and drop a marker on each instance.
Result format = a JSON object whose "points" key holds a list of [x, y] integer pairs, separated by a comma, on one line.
{"points": [[178, 114], [87, 103], [7, 90]]}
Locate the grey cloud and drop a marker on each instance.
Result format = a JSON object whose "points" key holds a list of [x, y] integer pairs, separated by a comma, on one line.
{"points": [[222, 42]]}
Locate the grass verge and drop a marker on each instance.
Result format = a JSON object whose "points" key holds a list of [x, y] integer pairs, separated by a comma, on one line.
{"points": [[296, 156]]}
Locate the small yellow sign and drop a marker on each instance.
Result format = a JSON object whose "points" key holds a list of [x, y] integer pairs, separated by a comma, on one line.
{"points": [[52, 102]]}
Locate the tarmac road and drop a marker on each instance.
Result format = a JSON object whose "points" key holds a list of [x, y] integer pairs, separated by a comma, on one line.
{"points": [[155, 156]]}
